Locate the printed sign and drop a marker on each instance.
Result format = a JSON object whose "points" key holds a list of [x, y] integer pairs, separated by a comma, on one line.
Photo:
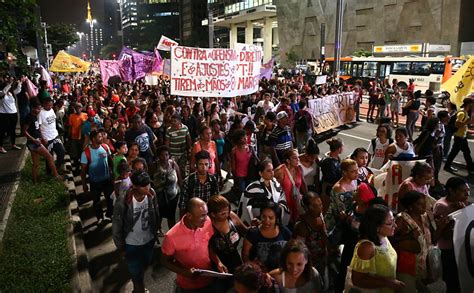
{"points": [[321, 79], [166, 43], [215, 72], [332, 111], [416, 48]]}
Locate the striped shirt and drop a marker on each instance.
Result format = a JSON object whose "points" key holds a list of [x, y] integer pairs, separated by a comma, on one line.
{"points": [[281, 138], [177, 141]]}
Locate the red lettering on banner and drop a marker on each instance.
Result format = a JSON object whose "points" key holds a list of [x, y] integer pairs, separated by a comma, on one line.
{"points": [[247, 82], [217, 85], [397, 174], [184, 84]]}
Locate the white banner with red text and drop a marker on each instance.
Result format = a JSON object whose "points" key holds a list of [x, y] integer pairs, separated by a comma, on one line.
{"points": [[198, 72]]}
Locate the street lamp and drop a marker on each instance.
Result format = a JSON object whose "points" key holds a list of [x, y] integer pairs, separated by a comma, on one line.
{"points": [[46, 47]]}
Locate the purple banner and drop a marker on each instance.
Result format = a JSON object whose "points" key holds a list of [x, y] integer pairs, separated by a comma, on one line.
{"points": [[110, 68]]}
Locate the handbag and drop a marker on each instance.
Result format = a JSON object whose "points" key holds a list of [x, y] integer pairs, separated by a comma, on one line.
{"points": [[252, 173], [433, 264], [297, 197]]}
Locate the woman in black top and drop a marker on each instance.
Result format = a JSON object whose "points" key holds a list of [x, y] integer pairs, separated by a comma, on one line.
{"points": [[228, 230], [31, 130], [412, 108]]}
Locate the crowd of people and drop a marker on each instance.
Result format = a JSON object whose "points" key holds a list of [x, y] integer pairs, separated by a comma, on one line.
{"points": [[294, 220]]}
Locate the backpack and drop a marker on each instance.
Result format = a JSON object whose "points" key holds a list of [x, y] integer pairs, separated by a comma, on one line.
{"points": [[373, 143], [87, 152], [301, 123], [452, 122]]}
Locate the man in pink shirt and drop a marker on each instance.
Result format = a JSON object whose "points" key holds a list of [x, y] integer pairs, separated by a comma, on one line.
{"points": [[185, 248]]}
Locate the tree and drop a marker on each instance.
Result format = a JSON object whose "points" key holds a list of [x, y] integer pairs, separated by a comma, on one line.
{"points": [[61, 35], [112, 48], [18, 28], [361, 53], [292, 57]]}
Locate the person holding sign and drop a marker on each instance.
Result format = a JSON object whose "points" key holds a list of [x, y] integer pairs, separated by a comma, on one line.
{"points": [[458, 193], [185, 249]]}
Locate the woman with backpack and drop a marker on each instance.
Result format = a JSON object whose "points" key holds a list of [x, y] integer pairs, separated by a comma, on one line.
{"points": [[379, 145]]}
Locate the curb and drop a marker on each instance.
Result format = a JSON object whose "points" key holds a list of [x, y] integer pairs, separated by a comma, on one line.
{"points": [[6, 215], [81, 280]]}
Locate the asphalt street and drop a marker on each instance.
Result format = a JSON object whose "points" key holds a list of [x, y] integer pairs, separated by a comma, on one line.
{"points": [[109, 271]]}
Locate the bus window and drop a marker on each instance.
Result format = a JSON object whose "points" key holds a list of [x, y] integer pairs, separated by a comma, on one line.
{"points": [[421, 68], [356, 69], [345, 68], [384, 71], [456, 64], [401, 68], [437, 67], [370, 69]]}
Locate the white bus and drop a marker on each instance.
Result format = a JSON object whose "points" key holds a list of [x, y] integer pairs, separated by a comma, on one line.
{"points": [[424, 70]]}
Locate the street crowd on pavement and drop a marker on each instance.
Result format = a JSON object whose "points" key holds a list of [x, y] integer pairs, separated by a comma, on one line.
{"points": [[294, 220]]}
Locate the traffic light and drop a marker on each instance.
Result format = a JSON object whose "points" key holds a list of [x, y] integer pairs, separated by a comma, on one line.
{"points": [[113, 55]]}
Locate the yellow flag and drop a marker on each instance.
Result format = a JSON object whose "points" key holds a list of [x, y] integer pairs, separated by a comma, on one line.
{"points": [[68, 63], [461, 84]]}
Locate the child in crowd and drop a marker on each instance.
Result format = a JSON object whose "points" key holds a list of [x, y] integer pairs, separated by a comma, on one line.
{"points": [[122, 149]]}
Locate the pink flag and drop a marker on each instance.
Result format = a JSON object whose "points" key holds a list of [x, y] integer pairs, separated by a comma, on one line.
{"points": [[46, 77], [31, 88], [158, 63], [108, 69]]}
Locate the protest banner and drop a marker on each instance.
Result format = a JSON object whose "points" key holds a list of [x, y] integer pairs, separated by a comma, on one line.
{"points": [[321, 79], [461, 83], [166, 43], [136, 65], [215, 72], [463, 240], [63, 62], [388, 183], [110, 68], [332, 111]]}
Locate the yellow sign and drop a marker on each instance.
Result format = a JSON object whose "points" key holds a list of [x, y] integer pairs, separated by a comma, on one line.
{"points": [[461, 84], [68, 63], [416, 48]]}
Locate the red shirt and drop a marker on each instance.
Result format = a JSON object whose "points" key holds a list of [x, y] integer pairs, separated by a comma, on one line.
{"points": [[190, 249]]}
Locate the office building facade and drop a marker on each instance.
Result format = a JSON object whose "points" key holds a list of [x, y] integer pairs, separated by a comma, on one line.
{"points": [[368, 23]]}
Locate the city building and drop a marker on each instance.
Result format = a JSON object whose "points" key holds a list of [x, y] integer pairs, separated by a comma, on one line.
{"points": [[369, 23], [93, 36], [111, 22], [192, 33], [249, 21], [144, 21]]}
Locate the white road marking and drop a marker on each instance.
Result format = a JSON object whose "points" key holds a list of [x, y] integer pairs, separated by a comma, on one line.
{"points": [[353, 136]]}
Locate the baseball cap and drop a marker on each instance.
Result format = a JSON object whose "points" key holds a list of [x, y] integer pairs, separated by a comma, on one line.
{"points": [[91, 113], [281, 115]]}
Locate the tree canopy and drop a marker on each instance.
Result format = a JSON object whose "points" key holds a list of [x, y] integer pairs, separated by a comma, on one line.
{"points": [[61, 35]]}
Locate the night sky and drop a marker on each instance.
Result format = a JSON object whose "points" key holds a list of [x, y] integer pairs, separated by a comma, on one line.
{"points": [[70, 11]]}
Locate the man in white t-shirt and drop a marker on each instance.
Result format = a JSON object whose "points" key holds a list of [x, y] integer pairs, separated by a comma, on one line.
{"points": [[266, 103], [49, 133]]}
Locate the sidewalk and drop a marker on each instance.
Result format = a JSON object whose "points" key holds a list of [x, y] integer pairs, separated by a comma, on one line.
{"points": [[11, 164]]}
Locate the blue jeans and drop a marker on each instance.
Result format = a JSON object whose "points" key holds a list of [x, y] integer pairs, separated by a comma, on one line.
{"points": [[139, 257]]}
